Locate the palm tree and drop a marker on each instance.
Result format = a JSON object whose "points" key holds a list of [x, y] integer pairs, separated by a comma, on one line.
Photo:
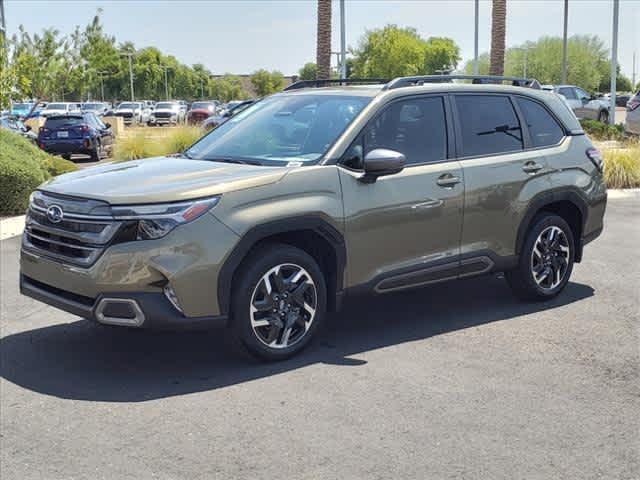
{"points": [[323, 49], [498, 33]]}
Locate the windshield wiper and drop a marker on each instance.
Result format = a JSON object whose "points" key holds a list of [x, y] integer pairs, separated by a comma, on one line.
{"points": [[233, 160]]}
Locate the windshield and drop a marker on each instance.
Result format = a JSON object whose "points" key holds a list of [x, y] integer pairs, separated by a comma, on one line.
{"points": [[165, 105], [281, 129], [56, 106], [202, 105], [92, 106], [21, 106], [128, 105]]}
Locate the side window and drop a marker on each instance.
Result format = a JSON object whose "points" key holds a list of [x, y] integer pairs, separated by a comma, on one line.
{"points": [[582, 95], [543, 128], [568, 93], [415, 127], [489, 125]]}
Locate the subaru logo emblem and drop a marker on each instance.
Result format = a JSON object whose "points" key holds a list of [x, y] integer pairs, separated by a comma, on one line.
{"points": [[55, 214]]}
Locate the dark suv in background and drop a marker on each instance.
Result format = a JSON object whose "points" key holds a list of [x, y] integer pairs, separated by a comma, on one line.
{"points": [[81, 133]]}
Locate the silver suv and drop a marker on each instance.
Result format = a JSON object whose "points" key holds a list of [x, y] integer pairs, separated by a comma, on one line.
{"points": [[583, 104]]}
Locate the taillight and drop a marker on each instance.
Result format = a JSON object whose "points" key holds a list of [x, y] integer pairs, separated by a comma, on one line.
{"points": [[596, 158], [633, 105], [84, 128]]}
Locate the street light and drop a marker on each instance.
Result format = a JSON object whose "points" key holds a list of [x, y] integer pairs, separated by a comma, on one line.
{"points": [[614, 62], [101, 73], [166, 81], [525, 59], [476, 67], [564, 43], [130, 55]]}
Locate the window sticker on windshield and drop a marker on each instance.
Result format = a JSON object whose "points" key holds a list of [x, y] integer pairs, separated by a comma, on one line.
{"points": [[294, 164]]}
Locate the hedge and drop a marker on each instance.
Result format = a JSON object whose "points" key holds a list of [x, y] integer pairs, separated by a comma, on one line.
{"points": [[22, 168]]}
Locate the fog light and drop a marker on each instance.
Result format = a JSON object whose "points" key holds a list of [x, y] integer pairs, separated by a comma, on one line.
{"points": [[172, 297]]}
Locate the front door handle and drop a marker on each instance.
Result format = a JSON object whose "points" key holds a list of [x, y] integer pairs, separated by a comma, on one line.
{"points": [[531, 167], [447, 180]]}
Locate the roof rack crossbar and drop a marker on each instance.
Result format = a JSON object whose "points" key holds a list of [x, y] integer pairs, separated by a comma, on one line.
{"points": [[477, 79], [335, 81]]}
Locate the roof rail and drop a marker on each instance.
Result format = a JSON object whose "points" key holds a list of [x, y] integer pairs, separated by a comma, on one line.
{"points": [[335, 81], [476, 79]]}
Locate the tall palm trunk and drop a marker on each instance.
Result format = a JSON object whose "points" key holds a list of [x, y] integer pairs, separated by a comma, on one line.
{"points": [[323, 49], [498, 34]]}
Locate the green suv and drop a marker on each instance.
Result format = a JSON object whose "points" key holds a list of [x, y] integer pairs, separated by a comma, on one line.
{"points": [[266, 223]]}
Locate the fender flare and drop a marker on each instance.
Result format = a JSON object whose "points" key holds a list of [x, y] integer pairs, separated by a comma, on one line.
{"points": [[537, 203], [314, 222]]}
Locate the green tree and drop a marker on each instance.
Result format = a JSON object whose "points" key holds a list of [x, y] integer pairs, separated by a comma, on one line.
{"points": [[441, 54], [308, 72], [227, 88], [266, 83]]}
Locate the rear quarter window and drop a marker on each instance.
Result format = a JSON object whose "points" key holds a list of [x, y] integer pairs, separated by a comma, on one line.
{"points": [[544, 130]]}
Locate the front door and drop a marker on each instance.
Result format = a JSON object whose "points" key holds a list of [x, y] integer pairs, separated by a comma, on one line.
{"points": [[400, 226]]}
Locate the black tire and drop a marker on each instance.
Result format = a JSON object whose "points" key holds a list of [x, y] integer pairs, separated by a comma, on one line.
{"points": [[522, 280], [603, 116], [248, 283], [98, 153], [66, 156]]}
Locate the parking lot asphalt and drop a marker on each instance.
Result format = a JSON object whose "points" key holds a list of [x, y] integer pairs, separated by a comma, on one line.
{"points": [[458, 380]]}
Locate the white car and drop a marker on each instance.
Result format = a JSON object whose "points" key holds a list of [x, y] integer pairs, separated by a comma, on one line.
{"points": [[131, 112], [167, 113], [60, 108], [632, 120]]}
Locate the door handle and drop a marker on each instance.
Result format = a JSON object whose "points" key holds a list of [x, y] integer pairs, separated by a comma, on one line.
{"points": [[531, 167], [447, 180]]}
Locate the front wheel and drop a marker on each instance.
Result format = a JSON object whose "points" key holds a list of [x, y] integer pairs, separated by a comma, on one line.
{"points": [[546, 259], [279, 302]]}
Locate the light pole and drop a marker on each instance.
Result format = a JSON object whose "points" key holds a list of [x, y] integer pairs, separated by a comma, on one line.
{"points": [[564, 43], [101, 73], [524, 60], [343, 43], [476, 67], [614, 62], [130, 55], [3, 25], [166, 80]]}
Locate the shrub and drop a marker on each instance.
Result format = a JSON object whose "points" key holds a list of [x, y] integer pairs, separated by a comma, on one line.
{"points": [[153, 142], [22, 168], [602, 131], [622, 167]]}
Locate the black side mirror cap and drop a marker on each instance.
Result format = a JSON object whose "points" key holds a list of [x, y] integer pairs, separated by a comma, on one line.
{"points": [[108, 125], [380, 162], [27, 128]]}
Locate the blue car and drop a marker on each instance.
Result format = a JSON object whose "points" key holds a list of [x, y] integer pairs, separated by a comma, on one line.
{"points": [[21, 110], [82, 133]]}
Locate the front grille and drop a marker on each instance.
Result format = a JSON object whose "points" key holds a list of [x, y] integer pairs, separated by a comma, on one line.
{"points": [[79, 238], [124, 114], [163, 114]]}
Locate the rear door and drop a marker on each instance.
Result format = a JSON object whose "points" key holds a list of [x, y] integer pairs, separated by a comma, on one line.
{"points": [[399, 226], [504, 166]]}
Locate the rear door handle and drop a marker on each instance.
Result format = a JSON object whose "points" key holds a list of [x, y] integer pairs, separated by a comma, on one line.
{"points": [[531, 167], [447, 180]]}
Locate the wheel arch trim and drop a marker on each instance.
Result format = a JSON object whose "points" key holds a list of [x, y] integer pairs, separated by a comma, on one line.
{"points": [[314, 222]]}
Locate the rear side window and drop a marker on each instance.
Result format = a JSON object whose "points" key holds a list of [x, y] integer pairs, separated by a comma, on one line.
{"points": [[415, 127], [543, 128], [568, 93], [489, 125]]}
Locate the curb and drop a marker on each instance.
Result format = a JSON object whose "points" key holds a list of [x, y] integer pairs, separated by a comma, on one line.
{"points": [[12, 226]]}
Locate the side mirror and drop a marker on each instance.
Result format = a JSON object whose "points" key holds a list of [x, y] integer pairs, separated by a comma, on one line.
{"points": [[27, 128], [380, 162], [226, 114], [107, 125]]}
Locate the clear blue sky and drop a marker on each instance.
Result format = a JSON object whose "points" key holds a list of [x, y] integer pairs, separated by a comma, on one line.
{"points": [[243, 35]]}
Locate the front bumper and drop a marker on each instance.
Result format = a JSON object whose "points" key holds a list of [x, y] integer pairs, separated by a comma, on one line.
{"points": [[132, 309], [188, 260]]}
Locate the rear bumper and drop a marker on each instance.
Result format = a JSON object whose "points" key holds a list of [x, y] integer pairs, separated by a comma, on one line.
{"points": [[131, 309], [80, 145]]}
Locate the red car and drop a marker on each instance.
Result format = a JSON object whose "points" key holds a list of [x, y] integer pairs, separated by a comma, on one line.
{"points": [[200, 111]]}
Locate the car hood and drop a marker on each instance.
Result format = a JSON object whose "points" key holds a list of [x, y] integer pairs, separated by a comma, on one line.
{"points": [[161, 179]]}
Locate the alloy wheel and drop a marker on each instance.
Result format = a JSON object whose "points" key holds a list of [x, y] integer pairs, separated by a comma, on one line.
{"points": [[550, 258], [283, 305]]}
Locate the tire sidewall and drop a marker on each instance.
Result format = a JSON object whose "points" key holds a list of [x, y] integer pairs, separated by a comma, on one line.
{"points": [[255, 267], [540, 224]]}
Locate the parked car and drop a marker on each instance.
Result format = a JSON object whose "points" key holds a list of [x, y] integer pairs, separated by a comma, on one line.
{"points": [[24, 110], [215, 120], [632, 120], [60, 108], [131, 112], [583, 104], [166, 113], [268, 221], [82, 133], [98, 108], [200, 111], [14, 124]]}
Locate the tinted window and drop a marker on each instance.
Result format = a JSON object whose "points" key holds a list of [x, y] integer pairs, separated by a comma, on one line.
{"points": [[63, 122], [415, 127], [568, 93], [543, 128], [489, 125]]}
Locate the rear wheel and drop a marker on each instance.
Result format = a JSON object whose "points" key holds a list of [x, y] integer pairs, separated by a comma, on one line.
{"points": [[279, 302], [66, 156], [546, 259], [98, 152]]}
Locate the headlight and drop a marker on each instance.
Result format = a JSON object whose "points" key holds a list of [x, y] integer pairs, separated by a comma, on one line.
{"points": [[155, 221]]}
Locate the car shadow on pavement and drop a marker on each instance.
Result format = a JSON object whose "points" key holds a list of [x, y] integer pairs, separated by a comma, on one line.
{"points": [[83, 361]]}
